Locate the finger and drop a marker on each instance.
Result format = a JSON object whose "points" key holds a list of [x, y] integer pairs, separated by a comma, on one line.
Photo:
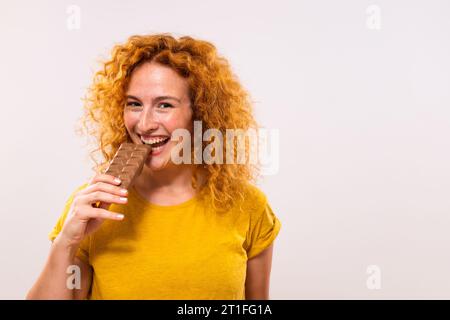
{"points": [[99, 177], [98, 213], [106, 187], [96, 196]]}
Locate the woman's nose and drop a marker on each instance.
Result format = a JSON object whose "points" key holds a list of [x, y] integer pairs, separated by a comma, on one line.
{"points": [[147, 120]]}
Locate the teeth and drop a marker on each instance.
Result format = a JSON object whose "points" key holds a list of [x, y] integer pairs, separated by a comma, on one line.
{"points": [[152, 140]]}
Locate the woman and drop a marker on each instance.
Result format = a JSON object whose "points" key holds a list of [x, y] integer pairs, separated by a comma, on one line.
{"points": [[182, 231]]}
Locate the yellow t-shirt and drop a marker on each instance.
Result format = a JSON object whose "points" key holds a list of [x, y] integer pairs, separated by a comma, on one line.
{"points": [[184, 251]]}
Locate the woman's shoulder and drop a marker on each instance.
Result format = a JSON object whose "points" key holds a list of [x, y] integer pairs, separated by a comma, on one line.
{"points": [[254, 192], [253, 197]]}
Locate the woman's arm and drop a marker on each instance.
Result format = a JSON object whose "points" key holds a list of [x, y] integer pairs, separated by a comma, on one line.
{"points": [[52, 282], [258, 275], [83, 218]]}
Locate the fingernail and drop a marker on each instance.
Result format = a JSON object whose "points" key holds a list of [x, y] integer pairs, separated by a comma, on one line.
{"points": [[117, 180], [123, 199], [123, 191], [120, 216]]}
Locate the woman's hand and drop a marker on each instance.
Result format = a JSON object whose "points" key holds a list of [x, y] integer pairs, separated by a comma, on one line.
{"points": [[84, 216]]}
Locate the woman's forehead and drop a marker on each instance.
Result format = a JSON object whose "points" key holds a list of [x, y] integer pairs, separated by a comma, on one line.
{"points": [[157, 78]]}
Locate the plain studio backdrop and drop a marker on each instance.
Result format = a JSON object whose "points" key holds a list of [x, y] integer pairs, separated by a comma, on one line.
{"points": [[359, 91]]}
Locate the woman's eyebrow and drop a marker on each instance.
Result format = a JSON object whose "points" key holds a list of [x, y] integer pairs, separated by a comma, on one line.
{"points": [[156, 99]]}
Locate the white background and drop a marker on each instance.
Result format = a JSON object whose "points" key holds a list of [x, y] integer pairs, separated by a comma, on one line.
{"points": [[363, 115]]}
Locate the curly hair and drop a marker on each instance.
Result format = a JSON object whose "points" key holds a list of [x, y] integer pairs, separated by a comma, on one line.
{"points": [[217, 99]]}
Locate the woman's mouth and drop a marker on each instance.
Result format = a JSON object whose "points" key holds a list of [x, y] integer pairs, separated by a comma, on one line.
{"points": [[157, 143]]}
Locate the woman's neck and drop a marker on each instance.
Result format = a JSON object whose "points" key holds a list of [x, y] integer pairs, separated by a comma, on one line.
{"points": [[172, 180], [169, 186]]}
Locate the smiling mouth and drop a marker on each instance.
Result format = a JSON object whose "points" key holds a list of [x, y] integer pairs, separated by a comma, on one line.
{"points": [[156, 143]]}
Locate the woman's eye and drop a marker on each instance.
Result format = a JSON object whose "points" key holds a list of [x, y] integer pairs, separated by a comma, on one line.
{"points": [[167, 104], [133, 104], [137, 104]]}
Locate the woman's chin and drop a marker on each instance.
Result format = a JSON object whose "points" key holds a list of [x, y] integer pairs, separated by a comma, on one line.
{"points": [[157, 163]]}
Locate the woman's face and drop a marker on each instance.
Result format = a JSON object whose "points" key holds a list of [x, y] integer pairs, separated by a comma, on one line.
{"points": [[157, 103]]}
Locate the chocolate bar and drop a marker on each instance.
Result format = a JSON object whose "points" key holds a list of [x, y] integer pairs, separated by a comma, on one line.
{"points": [[128, 163]]}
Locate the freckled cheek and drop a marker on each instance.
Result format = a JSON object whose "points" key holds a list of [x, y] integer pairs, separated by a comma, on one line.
{"points": [[130, 119], [176, 121]]}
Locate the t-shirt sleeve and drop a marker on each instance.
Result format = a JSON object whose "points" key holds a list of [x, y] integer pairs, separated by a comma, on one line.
{"points": [[264, 228], [83, 250]]}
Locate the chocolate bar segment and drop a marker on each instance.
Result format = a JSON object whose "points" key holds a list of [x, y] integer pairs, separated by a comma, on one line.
{"points": [[128, 162]]}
